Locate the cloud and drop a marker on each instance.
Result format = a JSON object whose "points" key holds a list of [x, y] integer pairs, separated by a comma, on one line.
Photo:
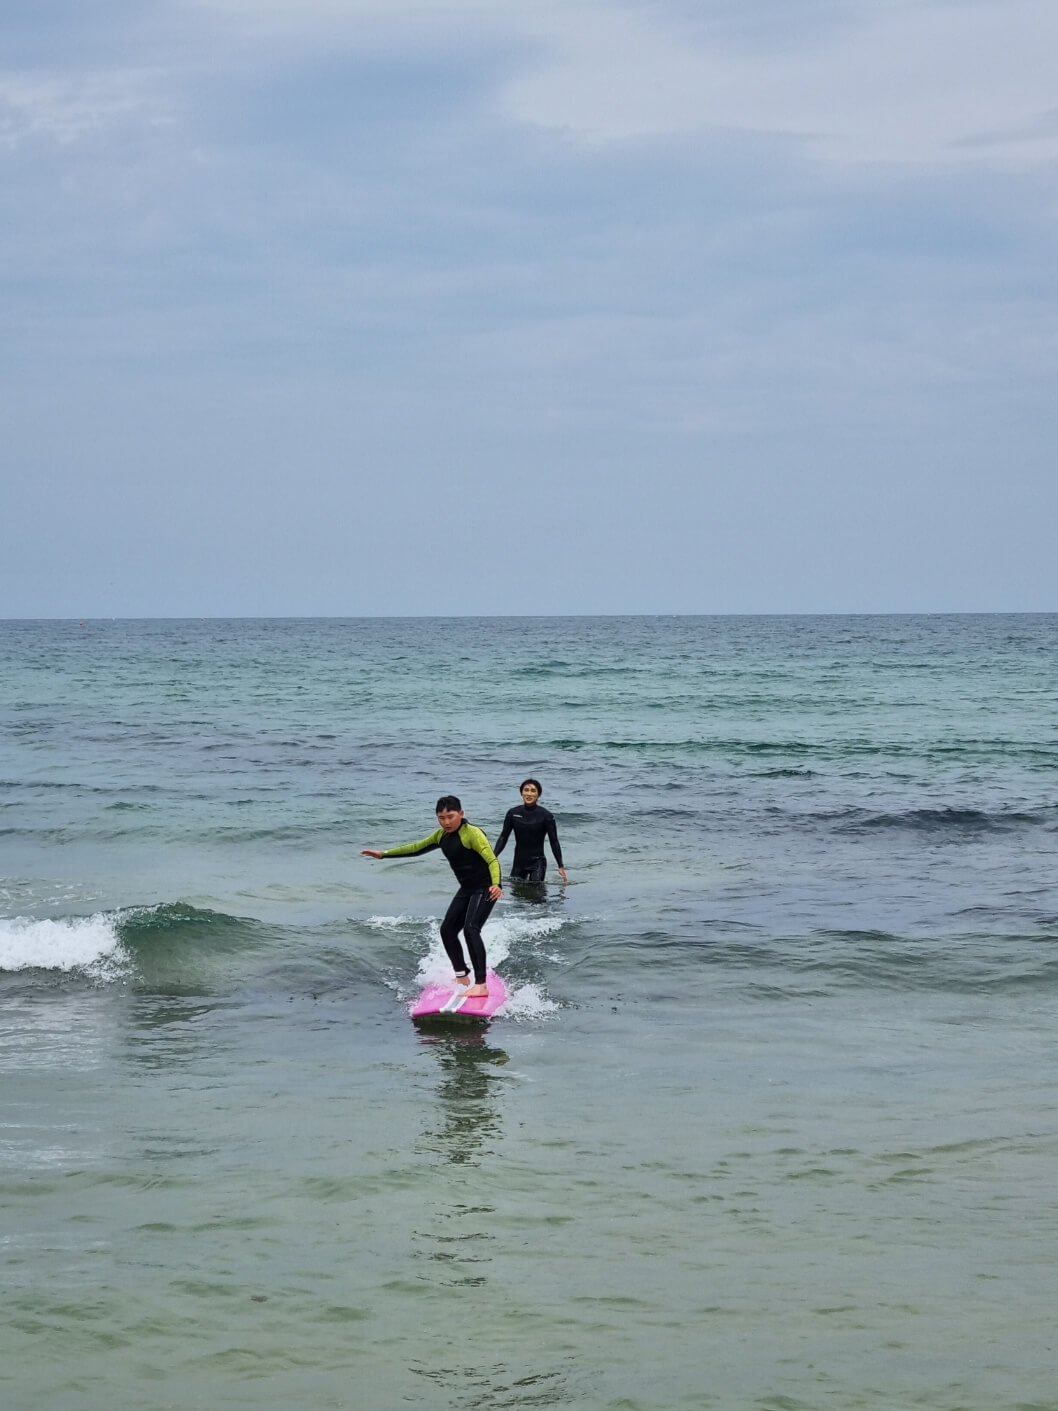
{"points": [[70, 109], [930, 82], [910, 82], [282, 274]]}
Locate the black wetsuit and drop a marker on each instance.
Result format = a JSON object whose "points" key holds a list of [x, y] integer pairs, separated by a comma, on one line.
{"points": [[476, 869], [530, 825]]}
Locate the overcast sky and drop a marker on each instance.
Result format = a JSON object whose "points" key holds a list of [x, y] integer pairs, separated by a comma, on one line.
{"points": [[528, 306]]}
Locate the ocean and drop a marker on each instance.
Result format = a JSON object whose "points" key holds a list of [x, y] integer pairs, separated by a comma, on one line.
{"points": [[769, 1124]]}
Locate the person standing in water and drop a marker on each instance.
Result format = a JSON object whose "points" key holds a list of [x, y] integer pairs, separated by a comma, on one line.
{"points": [[478, 873], [531, 824]]}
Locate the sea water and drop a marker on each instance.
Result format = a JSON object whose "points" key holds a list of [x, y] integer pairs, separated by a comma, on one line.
{"points": [[771, 1120]]}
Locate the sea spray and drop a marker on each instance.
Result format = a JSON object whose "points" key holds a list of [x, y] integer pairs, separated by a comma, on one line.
{"points": [[512, 942], [90, 944]]}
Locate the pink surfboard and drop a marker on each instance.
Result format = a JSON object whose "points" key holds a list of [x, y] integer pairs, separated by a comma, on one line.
{"points": [[450, 1001]]}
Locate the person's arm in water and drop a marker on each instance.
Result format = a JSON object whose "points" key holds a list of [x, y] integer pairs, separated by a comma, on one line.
{"points": [[508, 824], [556, 850], [408, 849]]}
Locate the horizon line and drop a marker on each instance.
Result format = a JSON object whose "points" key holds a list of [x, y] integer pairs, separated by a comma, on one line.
{"points": [[527, 617]]}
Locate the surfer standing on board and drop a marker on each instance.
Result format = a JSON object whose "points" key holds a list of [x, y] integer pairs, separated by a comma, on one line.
{"points": [[530, 824], [478, 873]]}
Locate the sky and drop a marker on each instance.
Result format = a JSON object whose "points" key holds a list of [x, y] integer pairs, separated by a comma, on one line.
{"points": [[361, 307]]}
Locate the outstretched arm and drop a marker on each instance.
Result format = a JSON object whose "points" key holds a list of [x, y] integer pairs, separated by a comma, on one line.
{"points": [[407, 849]]}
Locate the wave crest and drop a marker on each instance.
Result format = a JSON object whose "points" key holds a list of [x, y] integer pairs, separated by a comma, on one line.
{"points": [[91, 944]]}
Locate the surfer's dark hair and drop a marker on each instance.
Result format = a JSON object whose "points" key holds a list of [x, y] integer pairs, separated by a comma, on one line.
{"points": [[448, 803], [539, 786]]}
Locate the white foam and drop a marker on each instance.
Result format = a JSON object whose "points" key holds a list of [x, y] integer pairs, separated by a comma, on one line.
{"points": [[89, 943], [525, 928], [504, 936], [390, 923], [435, 967], [527, 1002]]}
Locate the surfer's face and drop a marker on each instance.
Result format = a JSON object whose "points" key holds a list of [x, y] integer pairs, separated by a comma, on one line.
{"points": [[451, 820], [530, 793]]}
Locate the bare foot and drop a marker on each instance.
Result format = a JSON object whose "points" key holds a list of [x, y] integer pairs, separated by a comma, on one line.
{"points": [[477, 992], [463, 979]]}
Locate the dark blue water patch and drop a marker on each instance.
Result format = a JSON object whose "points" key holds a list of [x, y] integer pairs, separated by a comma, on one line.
{"points": [[543, 669], [43, 785], [152, 829], [1006, 917], [663, 814], [943, 823], [759, 747], [950, 822], [1027, 751], [829, 749], [58, 836], [652, 748], [782, 773]]}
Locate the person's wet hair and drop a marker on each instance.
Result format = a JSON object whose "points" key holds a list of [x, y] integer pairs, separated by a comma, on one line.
{"points": [[448, 803]]}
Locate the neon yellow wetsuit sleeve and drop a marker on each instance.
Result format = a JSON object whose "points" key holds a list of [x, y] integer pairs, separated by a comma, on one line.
{"points": [[474, 840], [413, 849]]}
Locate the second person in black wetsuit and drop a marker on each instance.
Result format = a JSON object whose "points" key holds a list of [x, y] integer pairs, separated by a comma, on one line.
{"points": [[531, 824]]}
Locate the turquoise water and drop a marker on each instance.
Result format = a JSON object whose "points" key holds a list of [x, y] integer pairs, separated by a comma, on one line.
{"points": [[771, 1121]]}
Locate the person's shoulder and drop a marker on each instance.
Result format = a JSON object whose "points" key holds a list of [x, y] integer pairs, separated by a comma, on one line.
{"points": [[474, 838], [431, 841]]}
